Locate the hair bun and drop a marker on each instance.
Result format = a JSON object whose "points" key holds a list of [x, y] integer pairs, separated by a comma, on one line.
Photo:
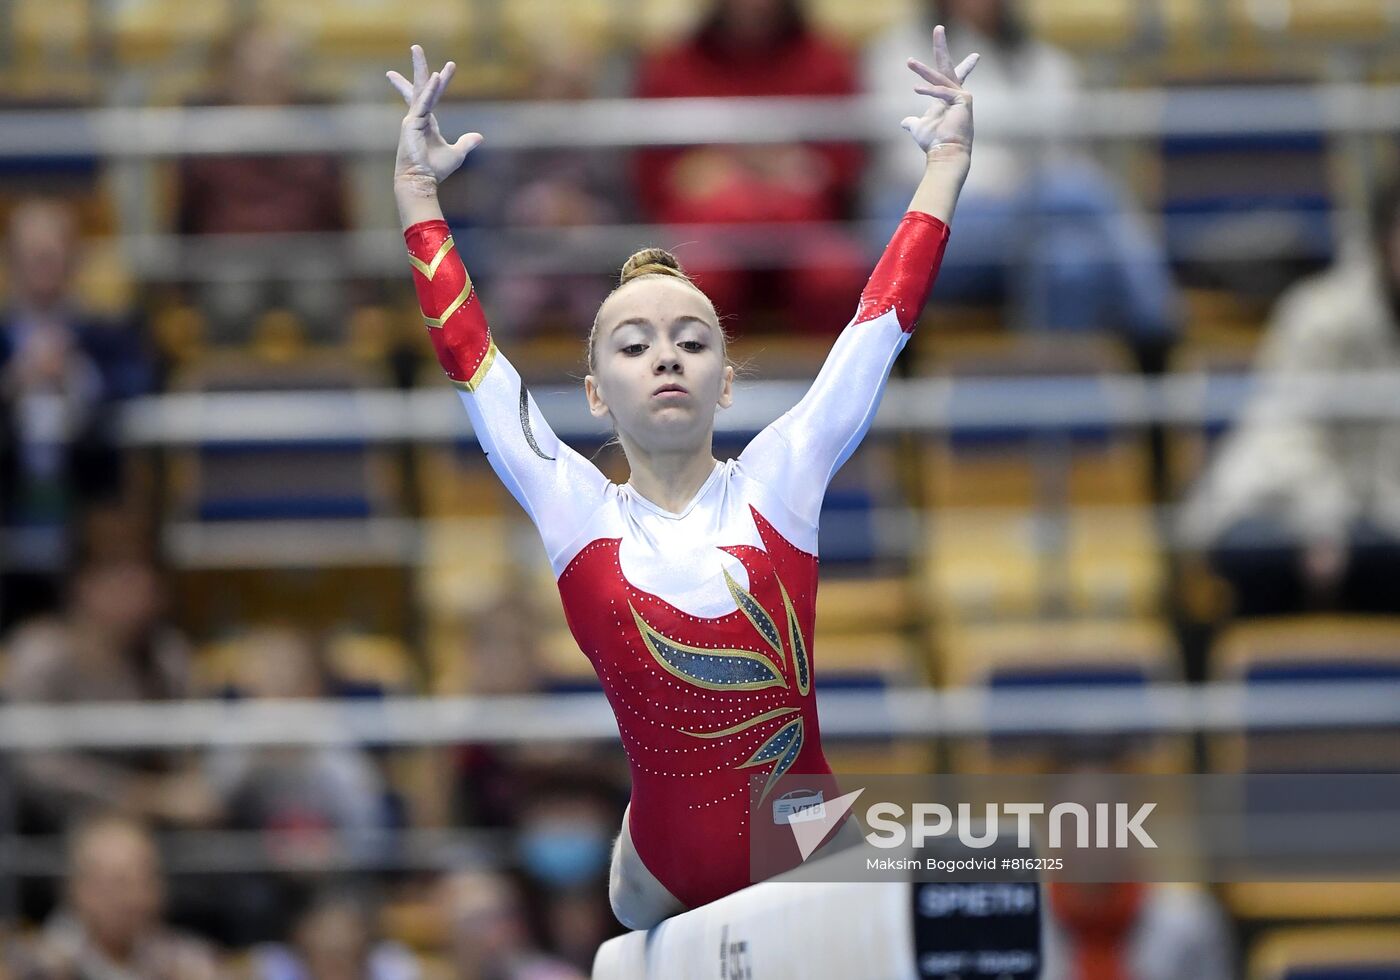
{"points": [[651, 262]]}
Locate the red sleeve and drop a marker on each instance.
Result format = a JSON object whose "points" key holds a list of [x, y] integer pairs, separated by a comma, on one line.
{"points": [[456, 324], [906, 271]]}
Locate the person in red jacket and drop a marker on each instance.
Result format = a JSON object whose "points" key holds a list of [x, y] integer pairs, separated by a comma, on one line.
{"points": [[758, 48]]}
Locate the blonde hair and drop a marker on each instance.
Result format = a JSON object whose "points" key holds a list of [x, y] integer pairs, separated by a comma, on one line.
{"points": [[651, 263]]}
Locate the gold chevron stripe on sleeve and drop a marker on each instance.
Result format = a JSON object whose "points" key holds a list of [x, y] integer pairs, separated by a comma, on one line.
{"points": [[436, 322], [430, 269], [475, 381]]}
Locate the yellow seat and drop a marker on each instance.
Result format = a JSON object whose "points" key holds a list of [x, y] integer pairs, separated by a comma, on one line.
{"points": [[874, 657], [368, 661], [1049, 654], [1317, 951], [1314, 21], [981, 563], [220, 481], [858, 22], [1253, 651], [370, 28], [589, 25], [1257, 649], [564, 663], [1113, 563], [51, 44], [1084, 24], [845, 605], [145, 31], [880, 756]]}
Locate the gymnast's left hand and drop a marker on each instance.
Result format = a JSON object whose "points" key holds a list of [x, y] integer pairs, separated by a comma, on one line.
{"points": [[946, 127], [424, 154]]}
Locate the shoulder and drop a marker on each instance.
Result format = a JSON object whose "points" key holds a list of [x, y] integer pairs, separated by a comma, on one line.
{"points": [[38, 653], [1185, 908], [1336, 304]]}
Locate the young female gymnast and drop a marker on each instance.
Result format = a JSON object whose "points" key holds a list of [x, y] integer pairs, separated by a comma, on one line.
{"points": [[691, 588]]}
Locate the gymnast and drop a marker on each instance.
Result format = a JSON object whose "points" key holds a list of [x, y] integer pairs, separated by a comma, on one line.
{"points": [[691, 588]]}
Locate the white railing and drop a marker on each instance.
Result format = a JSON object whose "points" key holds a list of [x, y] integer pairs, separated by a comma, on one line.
{"points": [[373, 127], [902, 712], [926, 405]]}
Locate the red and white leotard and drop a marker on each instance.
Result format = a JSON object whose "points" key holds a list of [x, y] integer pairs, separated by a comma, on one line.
{"points": [[698, 623]]}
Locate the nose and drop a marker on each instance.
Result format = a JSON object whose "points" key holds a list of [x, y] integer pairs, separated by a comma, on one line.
{"points": [[667, 359]]}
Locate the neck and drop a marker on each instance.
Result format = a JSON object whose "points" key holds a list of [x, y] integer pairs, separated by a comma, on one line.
{"points": [[669, 480]]}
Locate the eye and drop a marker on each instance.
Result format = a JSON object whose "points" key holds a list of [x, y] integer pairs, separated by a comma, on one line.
{"points": [[694, 346], [633, 350]]}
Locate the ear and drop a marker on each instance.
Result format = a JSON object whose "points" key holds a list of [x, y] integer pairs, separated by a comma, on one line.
{"points": [[726, 391], [596, 406]]}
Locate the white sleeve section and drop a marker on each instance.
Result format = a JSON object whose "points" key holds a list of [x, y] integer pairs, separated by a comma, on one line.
{"points": [[556, 485], [797, 455]]}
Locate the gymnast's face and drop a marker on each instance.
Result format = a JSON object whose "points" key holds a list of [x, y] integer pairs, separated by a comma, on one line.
{"points": [[656, 332]]}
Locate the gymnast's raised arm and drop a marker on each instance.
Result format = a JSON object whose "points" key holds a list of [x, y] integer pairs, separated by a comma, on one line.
{"points": [[557, 487], [800, 452]]}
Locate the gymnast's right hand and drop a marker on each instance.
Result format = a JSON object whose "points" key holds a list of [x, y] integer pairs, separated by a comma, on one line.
{"points": [[423, 153]]}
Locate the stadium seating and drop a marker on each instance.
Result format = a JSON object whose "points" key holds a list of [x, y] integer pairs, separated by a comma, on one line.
{"points": [[1003, 535], [1320, 650], [1123, 655], [1326, 953]]}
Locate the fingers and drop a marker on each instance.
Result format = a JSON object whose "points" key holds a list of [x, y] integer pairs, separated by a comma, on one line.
{"points": [[423, 101], [468, 142], [949, 95], [909, 122], [942, 60], [401, 84], [420, 67], [965, 69], [435, 85], [929, 74]]}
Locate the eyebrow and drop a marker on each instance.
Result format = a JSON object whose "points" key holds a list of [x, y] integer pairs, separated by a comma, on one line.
{"points": [[632, 321]]}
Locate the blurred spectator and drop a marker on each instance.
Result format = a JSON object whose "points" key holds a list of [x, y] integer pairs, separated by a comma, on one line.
{"points": [[1134, 929], [1297, 510], [1120, 927], [302, 795], [310, 803], [111, 645], [579, 920], [59, 370], [1042, 227], [111, 928], [567, 825], [489, 938], [503, 657], [566, 831], [334, 939], [265, 194], [759, 48], [543, 194]]}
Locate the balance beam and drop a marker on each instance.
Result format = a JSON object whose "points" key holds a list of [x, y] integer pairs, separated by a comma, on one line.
{"points": [[814, 930]]}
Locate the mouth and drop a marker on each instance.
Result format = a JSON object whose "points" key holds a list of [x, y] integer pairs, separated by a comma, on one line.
{"points": [[669, 391]]}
